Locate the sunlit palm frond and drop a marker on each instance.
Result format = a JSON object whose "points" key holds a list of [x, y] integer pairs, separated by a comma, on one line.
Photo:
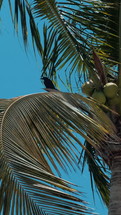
{"points": [[31, 138], [38, 134], [79, 27], [113, 30], [82, 25], [70, 48], [4, 104], [27, 188]]}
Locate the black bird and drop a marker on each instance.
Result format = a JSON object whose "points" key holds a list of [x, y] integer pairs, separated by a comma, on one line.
{"points": [[48, 83]]}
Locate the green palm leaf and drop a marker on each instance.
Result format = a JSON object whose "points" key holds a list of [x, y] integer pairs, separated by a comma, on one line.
{"points": [[69, 45], [82, 25], [20, 17], [1, 1], [98, 172], [51, 52]]}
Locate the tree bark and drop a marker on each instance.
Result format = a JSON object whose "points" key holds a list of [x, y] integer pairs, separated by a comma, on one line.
{"points": [[115, 187]]}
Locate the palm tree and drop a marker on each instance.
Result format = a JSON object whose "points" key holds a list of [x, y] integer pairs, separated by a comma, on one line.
{"points": [[83, 38]]}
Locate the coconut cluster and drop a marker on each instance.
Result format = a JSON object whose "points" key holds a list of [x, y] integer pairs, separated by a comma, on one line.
{"points": [[107, 95]]}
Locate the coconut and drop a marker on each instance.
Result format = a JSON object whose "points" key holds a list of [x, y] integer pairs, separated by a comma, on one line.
{"points": [[88, 87], [110, 90], [99, 96]]}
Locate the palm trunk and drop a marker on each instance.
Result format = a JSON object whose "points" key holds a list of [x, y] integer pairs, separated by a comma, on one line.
{"points": [[115, 187], [120, 46]]}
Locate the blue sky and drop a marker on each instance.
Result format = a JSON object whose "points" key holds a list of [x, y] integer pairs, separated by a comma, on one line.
{"points": [[20, 75]]}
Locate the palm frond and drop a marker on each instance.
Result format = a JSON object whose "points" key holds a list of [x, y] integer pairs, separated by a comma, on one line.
{"points": [[27, 182], [51, 52], [19, 12], [4, 104], [37, 134], [69, 47], [82, 25], [113, 27], [36, 39], [99, 173], [23, 17], [1, 1]]}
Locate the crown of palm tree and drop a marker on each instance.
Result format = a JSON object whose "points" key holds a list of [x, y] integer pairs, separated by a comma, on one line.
{"points": [[83, 38]]}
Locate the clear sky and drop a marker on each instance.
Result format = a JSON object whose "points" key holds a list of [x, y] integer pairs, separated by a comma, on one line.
{"points": [[20, 75]]}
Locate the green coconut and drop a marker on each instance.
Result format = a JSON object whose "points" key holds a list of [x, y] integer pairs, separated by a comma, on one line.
{"points": [[99, 96], [88, 87], [110, 90]]}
